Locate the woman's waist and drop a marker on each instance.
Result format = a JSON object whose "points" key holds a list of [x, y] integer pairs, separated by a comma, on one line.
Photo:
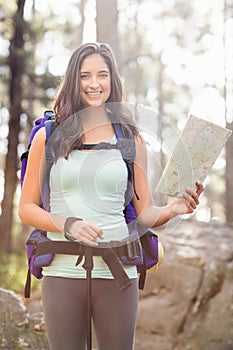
{"points": [[112, 230], [108, 219]]}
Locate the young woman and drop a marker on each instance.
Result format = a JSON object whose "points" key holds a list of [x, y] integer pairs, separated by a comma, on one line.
{"points": [[90, 185]]}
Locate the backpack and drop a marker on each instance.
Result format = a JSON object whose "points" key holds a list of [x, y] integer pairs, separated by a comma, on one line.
{"points": [[142, 248]]}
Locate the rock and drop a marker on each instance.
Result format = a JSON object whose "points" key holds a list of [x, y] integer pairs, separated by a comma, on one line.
{"points": [[187, 303], [17, 329]]}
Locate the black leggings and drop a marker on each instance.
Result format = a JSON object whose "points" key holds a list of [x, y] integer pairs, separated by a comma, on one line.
{"points": [[114, 313]]}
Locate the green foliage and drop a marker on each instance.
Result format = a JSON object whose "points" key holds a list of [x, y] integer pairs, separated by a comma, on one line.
{"points": [[13, 272]]}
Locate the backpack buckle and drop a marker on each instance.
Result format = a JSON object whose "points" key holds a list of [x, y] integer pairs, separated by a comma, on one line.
{"points": [[132, 250]]}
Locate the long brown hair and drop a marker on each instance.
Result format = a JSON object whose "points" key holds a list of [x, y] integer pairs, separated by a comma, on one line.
{"points": [[69, 103]]}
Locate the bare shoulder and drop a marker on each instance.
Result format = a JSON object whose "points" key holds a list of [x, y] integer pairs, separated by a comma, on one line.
{"points": [[40, 136], [38, 143]]}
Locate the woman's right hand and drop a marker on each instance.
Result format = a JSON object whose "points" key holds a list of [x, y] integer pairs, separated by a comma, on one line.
{"points": [[86, 232]]}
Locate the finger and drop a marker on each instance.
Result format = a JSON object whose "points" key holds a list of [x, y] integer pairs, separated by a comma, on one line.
{"points": [[96, 229], [81, 230], [89, 233], [82, 238], [190, 201], [193, 195], [85, 237], [200, 188], [89, 242], [90, 228]]}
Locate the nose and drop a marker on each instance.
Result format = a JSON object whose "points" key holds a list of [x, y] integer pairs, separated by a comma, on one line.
{"points": [[94, 82]]}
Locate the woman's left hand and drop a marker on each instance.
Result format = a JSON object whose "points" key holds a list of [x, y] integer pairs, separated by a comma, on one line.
{"points": [[189, 200]]}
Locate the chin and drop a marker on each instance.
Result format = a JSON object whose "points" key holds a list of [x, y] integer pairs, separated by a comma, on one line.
{"points": [[94, 104]]}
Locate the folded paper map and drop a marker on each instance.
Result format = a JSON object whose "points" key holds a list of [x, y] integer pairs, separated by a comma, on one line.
{"points": [[196, 151]]}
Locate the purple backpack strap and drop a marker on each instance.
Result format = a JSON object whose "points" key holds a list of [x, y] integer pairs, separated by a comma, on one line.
{"points": [[39, 123]]}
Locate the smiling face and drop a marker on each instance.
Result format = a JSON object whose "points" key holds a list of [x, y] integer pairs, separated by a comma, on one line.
{"points": [[95, 81]]}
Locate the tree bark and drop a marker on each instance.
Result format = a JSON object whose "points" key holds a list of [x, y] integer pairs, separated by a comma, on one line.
{"points": [[17, 66], [107, 24], [82, 9]]}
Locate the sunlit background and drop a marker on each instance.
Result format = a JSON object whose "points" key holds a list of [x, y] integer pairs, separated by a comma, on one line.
{"points": [[175, 57], [204, 72]]}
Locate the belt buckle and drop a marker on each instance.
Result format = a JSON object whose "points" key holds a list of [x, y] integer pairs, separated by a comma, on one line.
{"points": [[131, 247]]}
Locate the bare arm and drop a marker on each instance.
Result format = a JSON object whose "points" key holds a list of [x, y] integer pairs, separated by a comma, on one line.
{"points": [[29, 210], [148, 214]]}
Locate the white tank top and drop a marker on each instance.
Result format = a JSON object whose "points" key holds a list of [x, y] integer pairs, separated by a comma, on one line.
{"points": [[90, 185]]}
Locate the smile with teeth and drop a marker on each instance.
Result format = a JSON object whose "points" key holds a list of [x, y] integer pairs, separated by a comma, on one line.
{"points": [[94, 94]]}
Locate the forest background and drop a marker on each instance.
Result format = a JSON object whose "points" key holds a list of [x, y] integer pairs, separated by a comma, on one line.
{"points": [[175, 58]]}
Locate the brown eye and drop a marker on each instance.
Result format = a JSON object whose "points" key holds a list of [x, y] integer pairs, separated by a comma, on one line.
{"points": [[84, 76], [104, 75]]}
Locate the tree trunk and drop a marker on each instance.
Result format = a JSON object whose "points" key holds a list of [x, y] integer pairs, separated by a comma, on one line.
{"points": [[82, 10], [17, 66], [107, 24]]}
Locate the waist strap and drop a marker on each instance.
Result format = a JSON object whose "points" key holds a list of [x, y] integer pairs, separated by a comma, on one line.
{"points": [[109, 251], [77, 248]]}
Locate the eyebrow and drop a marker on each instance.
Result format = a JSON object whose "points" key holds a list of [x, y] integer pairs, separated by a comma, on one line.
{"points": [[101, 71]]}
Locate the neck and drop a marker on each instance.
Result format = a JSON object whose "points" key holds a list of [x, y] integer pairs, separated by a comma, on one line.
{"points": [[94, 117]]}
